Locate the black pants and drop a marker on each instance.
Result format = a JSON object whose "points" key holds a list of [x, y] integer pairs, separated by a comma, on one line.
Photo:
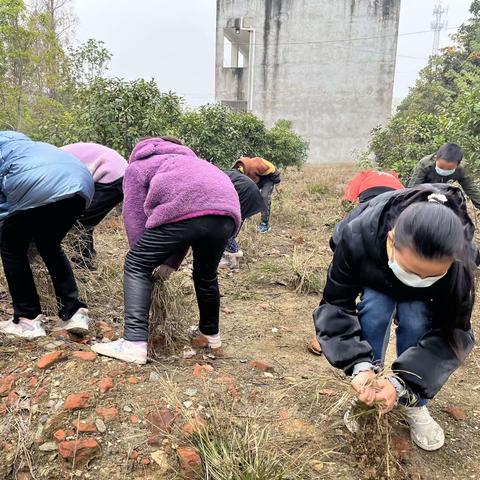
{"points": [[46, 226], [207, 236], [107, 196], [266, 186]]}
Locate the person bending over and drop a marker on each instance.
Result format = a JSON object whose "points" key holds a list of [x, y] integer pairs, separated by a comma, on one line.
{"points": [[409, 255], [173, 201], [43, 192]]}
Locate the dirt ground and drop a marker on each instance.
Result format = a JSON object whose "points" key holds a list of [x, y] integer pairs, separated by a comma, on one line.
{"points": [[280, 418]]}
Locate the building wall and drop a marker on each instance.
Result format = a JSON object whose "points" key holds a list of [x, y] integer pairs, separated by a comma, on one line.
{"points": [[326, 65]]}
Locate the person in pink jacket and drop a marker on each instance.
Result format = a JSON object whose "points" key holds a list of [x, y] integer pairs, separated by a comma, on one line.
{"points": [[173, 201], [107, 168]]}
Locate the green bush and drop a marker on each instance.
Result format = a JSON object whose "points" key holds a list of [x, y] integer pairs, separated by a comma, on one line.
{"points": [[221, 136], [444, 106], [115, 113]]}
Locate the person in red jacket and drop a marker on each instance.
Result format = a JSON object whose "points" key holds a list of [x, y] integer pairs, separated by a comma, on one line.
{"points": [[370, 183]]}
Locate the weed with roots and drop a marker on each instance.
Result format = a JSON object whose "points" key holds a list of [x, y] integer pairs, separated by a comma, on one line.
{"points": [[309, 271], [169, 319], [371, 446]]}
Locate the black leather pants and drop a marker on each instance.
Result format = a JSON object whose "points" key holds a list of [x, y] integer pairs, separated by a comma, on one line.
{"points": [[207, 236]]}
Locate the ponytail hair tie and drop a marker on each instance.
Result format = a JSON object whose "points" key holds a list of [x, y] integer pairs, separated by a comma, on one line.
{"points": [[437, 198]]}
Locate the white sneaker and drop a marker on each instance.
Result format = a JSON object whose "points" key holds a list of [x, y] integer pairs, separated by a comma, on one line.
{"points": [[424, 430], [79, 323], [235, 259], [212, 341], [133, 352], [224, 262], [350, 418], [25, 328]]}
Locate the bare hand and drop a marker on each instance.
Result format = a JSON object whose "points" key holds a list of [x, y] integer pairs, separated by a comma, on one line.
{"points": [[364, 384], [386, 396], [163, 272]]}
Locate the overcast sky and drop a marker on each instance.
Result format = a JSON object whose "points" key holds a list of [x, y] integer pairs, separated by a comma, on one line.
{"points": [[174, 41]]}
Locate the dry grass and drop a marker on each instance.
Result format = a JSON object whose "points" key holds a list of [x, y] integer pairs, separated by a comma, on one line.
{"points": [[238, 444], [172, 301], [303, 271], [372, 444]]}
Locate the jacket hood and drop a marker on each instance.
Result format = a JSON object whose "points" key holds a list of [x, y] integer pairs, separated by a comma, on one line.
{"points": [[251, 201], [381, 212], [9, 135], [157, 146]]}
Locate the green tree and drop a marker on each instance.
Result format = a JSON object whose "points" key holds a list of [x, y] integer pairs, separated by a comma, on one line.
{"points": [[444, 106], [88, 62], [115, 113]]}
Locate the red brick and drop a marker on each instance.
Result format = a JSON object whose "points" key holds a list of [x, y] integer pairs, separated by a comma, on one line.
{"points": [[81, 450], [134, 455], [6, 384], [233, 391], [134, 380], [196, 425], [457, 413], [40, 393], [134, 419], [33, 382], [85, 356], [160, 422], [199, 370], [60, 435], [264, 367], [84, 426], [108, 414], [77, 401], [190, 462], [105, 384], [49, 359]]}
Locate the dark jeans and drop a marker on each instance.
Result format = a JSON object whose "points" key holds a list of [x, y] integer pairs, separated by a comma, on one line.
{"points": [[107, 196], [46, 226], [266, 187], [377, 311], [207, 236]]}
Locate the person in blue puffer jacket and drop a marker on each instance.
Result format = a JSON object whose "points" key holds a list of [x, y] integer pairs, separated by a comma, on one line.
{"points": [[43, 191]]}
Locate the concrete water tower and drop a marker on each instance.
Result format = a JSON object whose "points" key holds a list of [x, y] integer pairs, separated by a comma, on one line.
{"points": [[326, 65]]}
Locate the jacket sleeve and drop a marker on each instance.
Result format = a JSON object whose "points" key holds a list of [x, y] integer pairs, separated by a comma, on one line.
{"points": [[135, 192], [419, 175], [426, 367], [336, 321], [470, 188]]}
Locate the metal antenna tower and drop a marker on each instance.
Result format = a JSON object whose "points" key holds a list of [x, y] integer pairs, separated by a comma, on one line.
{"points": [[438, 24]]}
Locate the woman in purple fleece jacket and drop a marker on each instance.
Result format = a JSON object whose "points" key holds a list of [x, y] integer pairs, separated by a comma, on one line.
{"points": [[172, 201]]}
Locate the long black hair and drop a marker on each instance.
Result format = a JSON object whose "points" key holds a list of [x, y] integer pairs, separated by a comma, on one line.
{"points": [[431, 230], [437, 226]]}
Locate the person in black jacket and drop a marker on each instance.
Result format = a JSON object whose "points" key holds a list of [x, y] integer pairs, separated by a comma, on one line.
{"points": [[251, 203], [410, 256]]}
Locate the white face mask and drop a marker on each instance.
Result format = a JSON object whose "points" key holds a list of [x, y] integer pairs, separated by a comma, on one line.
{"points": [[444, 173], [412, 279]]}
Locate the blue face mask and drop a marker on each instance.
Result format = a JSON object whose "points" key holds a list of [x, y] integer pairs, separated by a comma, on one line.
{"points": [[444, 173]]}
